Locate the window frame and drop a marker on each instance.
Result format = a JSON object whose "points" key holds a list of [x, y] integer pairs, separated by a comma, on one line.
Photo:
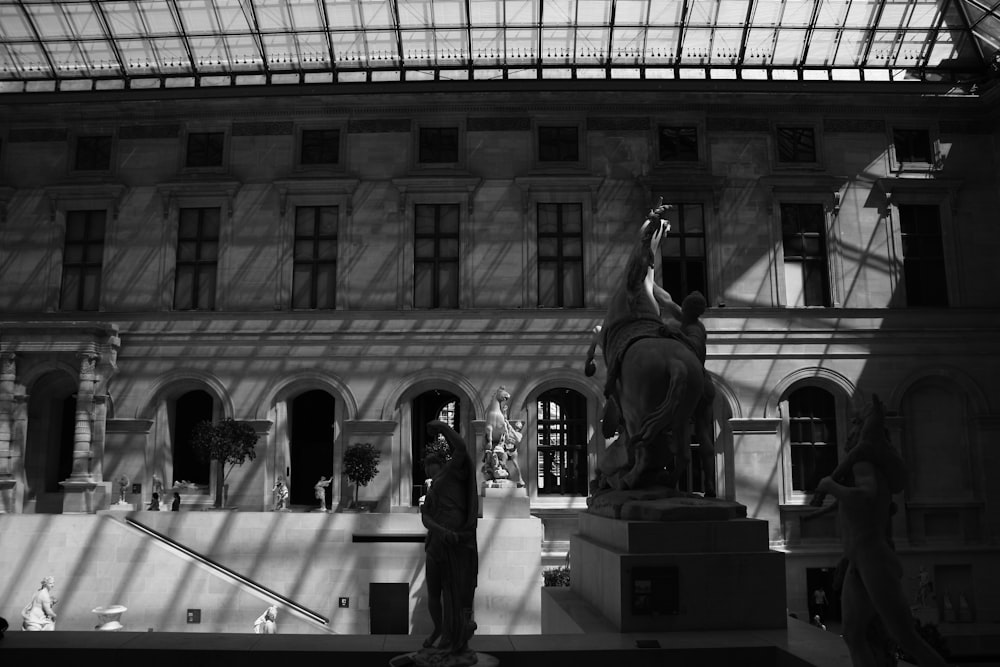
{"points": [[324, 167], [460, 144], [789, 495], [698, 123], [825, 238], [314, 264], [914, 167], [537, 124], [811, 165], [559, 260], [939, 192], [678, 296], [83, 265], [74, 152], [185, 138], [218, 253], [580, 422], [293, 193]]}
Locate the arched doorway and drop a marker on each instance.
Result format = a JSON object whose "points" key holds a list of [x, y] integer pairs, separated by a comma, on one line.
{"points": [[428, 406], [49, 447], [561, 445], [311, 419], [187, 411]]}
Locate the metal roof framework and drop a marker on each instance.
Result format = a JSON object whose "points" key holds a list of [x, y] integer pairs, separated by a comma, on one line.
{"points": [[109, 44]]}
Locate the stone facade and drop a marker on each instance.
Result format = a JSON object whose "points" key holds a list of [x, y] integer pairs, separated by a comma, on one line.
{"points": [[376, 353]]}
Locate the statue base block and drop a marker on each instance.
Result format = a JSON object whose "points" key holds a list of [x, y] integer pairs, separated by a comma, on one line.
{"points": [[501, 502], [682, 574], [78, 496]]}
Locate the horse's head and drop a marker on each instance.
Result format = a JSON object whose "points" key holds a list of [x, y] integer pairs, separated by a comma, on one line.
{"points": [[501, 395]]}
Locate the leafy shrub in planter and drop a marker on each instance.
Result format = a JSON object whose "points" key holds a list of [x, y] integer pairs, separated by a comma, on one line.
{"points": [[556, 576], [361, 465]]}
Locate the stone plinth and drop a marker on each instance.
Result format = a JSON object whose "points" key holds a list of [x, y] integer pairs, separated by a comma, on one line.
{"points": [[79, 496], [680, 574], [499, 500]]}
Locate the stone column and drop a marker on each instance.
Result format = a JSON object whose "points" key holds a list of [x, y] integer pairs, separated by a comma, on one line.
{"points": [[79, 488], [8, 373]]}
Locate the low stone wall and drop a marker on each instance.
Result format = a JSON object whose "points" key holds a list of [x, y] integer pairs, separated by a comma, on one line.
{"points": [[311, 558]]}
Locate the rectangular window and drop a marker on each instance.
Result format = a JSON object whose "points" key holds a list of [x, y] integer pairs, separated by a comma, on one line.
{"points": [[438, 145], [435, 256], [923, 255], [678, 144], [683, 252], [83, 258], [93, 153], [812, 423], [796, 144], [558, 144], [912, 145], [205, 149], [314, 279], [320, 147], [560, 256], [803, 231], [197, 259]]}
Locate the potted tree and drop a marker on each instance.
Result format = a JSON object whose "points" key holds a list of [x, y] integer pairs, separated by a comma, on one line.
{"points": [[228, 441], [361, 466]]}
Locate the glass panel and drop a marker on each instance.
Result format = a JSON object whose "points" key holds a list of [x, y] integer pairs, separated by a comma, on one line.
{"points": [[91, 289], [303, 250], [209, 251], [183, 287], [548, 247], [326, 250], [572, 285], [206, 286], [326, 286], [449, 248], [547, 285], [424, 248], [593, 11], [301, 287], [328, 221], [423, 286], [448, 287]]}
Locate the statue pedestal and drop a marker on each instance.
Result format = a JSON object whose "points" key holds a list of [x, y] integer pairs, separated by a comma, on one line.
{"points": [[78, 496], [680, 574], [500, 500], [7, 503]]}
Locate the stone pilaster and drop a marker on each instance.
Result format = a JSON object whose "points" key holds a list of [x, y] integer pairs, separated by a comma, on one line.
{"points": [[79, 488], [8, 374]]}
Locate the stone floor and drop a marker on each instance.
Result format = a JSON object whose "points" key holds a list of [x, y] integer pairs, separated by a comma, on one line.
{"points": [[798, 646]]}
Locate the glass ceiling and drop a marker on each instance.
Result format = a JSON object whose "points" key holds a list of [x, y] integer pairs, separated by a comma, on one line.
{"points": [[84, 44]]}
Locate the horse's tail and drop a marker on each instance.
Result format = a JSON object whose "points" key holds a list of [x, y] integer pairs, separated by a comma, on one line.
{"points": [[590, 367], [662, 416]]}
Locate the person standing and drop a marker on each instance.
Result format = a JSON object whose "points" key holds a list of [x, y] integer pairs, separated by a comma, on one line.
{"points": [[154, 504], [38, 614], [175, 505]]}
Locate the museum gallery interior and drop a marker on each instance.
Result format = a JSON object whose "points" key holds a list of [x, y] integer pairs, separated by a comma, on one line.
{"points": [[330, 222]]}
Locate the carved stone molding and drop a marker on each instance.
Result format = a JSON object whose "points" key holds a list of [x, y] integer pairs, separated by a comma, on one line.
{"points": [[340, 188], [71, 194], [438, 183], [202, 186], [571, 182], [677, 186]]}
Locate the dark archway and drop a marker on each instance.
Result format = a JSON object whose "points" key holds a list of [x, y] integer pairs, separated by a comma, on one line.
{"points": [[428, 406], [561, 445], [188, 410], [311, 416], [49, 447]]}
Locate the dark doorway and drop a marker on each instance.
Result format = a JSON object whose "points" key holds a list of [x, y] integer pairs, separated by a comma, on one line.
{"points": [[428, 406], [189, 410], [389, 612], [49, 451], [311, 449], [821, 579]]}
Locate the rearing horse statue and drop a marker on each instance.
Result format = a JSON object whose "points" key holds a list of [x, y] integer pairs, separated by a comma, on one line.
{"points": [[501, 438], [655, 378]]}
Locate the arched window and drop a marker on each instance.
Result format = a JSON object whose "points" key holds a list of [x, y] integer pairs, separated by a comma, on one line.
{"points": [[562, 443], [812, 436], [428, 406]]}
